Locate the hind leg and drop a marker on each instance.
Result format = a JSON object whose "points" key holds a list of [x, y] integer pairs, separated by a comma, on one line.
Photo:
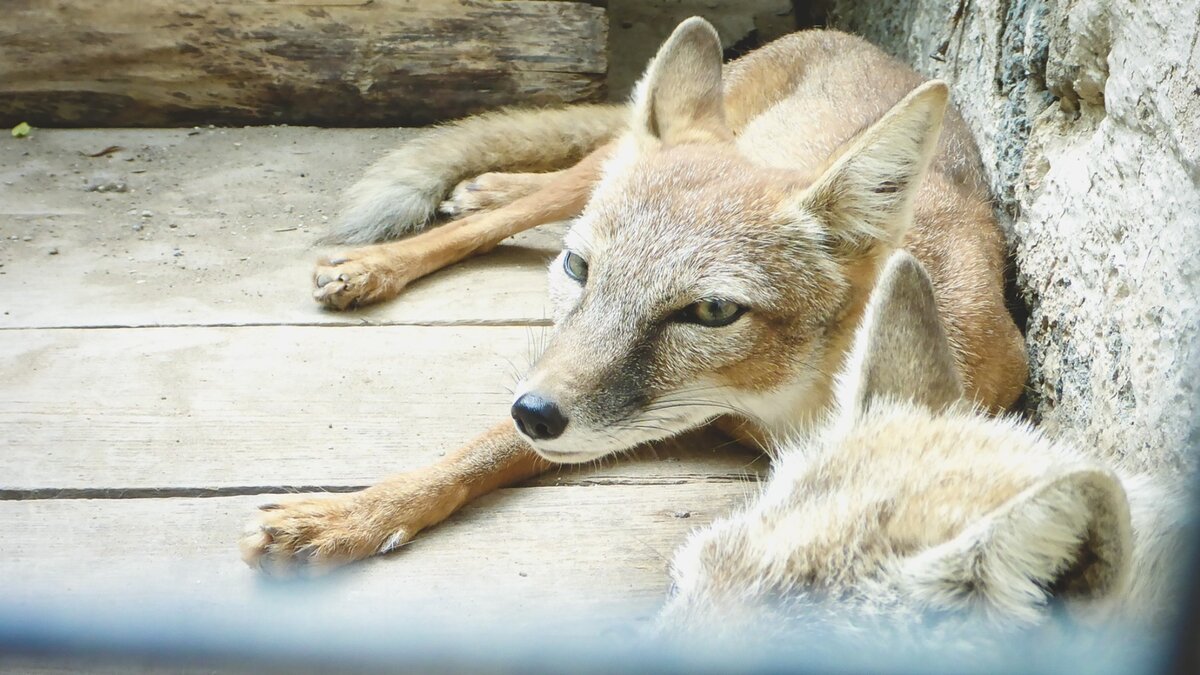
{"points": [[376, 273], [493, 190]]}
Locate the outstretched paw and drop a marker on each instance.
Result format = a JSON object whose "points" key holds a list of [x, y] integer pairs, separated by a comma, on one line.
{"points": [[310, 537]]}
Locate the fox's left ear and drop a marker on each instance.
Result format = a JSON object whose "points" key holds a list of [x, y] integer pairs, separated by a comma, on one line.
{"points": [[866, 196], [1066, 538], [901, 352], [679, 99]]}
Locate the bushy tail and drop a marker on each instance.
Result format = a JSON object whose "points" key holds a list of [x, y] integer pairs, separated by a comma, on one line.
{"points": [[400, 194]]}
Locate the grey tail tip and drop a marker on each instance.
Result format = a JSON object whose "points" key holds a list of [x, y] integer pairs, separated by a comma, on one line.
{"points": [[333, 237], [327, 239], [336, 236], [342, 235], [348, 231]]}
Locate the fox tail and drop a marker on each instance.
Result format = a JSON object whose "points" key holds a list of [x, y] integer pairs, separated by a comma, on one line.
{"points": [[400, 194]]}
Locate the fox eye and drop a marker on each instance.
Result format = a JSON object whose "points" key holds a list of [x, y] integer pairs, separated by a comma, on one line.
{"points": [[575, 267], [712, 312]]}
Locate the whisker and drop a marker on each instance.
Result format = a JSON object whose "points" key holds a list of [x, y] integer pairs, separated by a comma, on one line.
{"points": [[653, 550], [514, 372]]}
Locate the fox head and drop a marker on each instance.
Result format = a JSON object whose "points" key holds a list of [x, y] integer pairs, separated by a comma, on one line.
{"points": [[909, 507], [697, 284]]}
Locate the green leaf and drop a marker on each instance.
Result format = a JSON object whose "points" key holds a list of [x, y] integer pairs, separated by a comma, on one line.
{"points": [[21, 130]]}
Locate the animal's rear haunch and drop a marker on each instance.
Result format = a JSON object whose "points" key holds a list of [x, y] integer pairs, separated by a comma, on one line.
{"points": [[400, 194]]}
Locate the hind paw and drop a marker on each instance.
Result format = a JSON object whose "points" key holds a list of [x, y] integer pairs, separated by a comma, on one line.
{"points": [[489, 191]]}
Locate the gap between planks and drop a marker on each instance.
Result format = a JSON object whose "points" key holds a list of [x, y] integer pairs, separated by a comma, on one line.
{"points": [[51, 493]]}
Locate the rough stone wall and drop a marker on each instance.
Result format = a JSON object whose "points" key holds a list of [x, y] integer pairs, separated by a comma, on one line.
{"points": [[1087, 113]]}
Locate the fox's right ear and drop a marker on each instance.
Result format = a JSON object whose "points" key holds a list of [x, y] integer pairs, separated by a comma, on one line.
{"points": [[865, 197], [901, 351], [679, 99]]}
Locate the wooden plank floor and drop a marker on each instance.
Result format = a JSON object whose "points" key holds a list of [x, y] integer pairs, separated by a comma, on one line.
{"points": [[162, 369]]}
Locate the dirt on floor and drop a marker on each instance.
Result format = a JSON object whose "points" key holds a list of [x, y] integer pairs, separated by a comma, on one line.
{"points": [[168, 226]]}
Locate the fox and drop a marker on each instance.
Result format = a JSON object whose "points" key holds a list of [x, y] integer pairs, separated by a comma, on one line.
{"points": [[726, 228], [909, 507]]}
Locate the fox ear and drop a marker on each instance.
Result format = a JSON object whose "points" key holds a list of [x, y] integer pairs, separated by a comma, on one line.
{"points": [[1066, 538], [901, 351], [866, 196], [679, 99]]}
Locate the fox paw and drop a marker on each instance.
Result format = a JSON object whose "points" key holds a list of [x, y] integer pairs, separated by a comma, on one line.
{"points": [[309, 537], [354, 279], [487, 191]]}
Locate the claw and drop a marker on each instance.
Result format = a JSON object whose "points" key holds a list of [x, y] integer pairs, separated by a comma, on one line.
{"points": [[304, 555], [329, 290], [398, 539]]}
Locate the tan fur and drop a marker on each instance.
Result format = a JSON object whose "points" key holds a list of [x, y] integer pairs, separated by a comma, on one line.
{"points": [[909, 504], [780, 182], [798, 237]]}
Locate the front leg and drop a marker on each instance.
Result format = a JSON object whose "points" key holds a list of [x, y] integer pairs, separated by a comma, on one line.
{"points": [[318, 534]]}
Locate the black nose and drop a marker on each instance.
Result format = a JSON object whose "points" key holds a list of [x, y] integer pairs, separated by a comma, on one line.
{"points": [[538, 418]]}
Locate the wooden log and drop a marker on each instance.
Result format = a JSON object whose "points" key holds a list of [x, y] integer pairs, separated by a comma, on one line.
{"points": [[323, 62]]}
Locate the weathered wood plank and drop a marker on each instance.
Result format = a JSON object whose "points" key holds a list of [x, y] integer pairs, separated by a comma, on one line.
{"points": [[576, 554], [383, 62], [270, 406], [216, 227]]}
